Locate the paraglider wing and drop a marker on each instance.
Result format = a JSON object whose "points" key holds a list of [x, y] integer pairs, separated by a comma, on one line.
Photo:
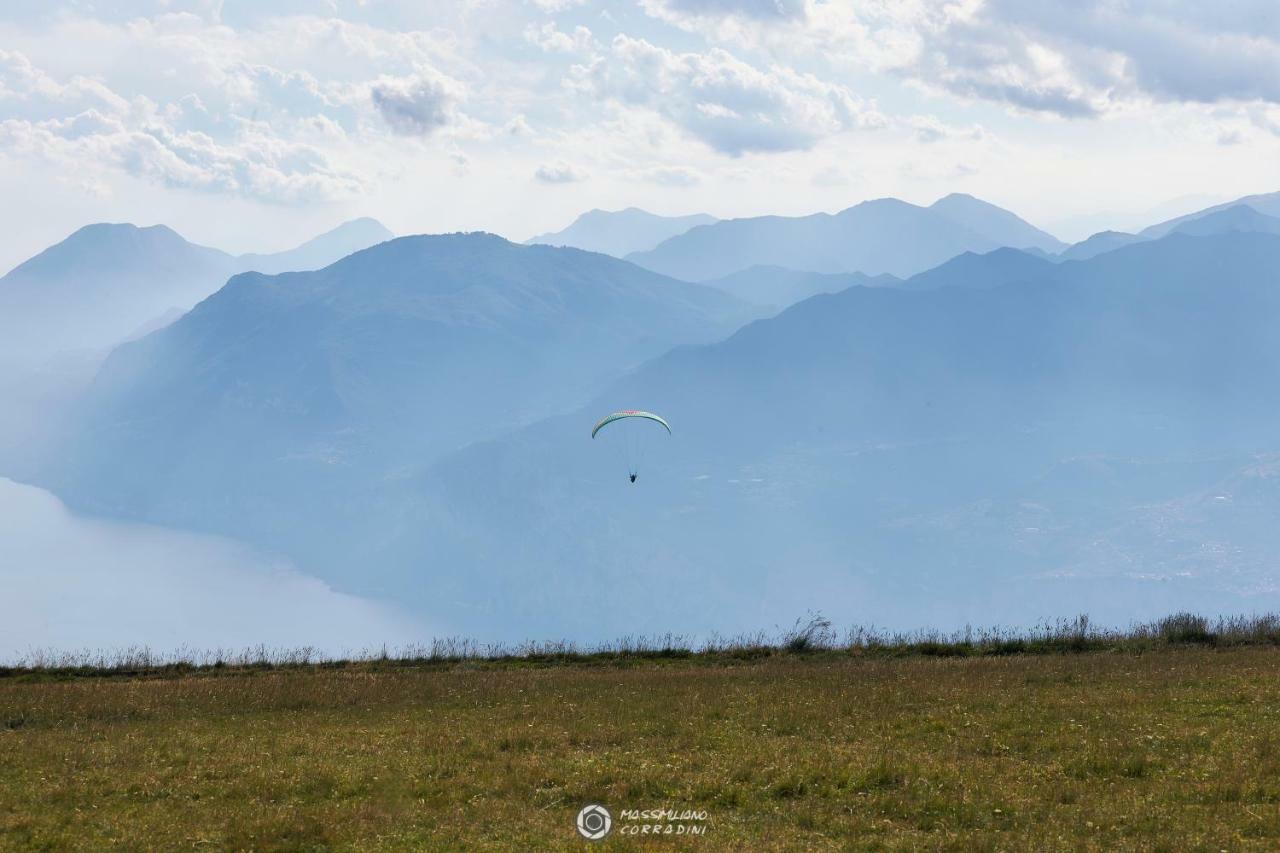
{"points": [[617, 416], [630, 438]]}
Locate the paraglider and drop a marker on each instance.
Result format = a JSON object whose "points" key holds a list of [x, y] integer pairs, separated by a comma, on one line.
{"points": [[630, 430]]}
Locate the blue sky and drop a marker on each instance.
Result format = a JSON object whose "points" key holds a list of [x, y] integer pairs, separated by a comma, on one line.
{"points": [[252, 125]]}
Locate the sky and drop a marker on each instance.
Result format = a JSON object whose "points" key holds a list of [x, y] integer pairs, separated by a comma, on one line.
{"points": [[251, 125]]}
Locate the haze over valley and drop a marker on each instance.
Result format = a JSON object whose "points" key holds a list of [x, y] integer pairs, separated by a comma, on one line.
{"points": [[956, 316], [1011, 435]]}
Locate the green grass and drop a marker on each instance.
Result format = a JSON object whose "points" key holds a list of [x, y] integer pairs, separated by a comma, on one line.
{"points": [[1172, 743]]}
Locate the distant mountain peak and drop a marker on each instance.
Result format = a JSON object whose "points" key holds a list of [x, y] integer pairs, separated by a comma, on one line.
{"points": [[1237, 216], [885, 202], [101, 234], [95, 228], [108, 248], [107, 280], [621, 232], [322, 250], [982, 270], [1267, 204], [990, 219], [364, 225]]}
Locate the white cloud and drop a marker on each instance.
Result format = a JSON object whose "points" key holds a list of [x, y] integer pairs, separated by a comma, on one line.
{"points": [[142, 139], [1267, 118], [1081, 59], [417, 105], [559, 172], [831, 176], [692, 10], [727, 103], [26, 88], [1230, 136], [662, 97], [670, 176], [518, 126], [929, 128], [933, 170], [740, 21], [550, 39], [554, 6]]}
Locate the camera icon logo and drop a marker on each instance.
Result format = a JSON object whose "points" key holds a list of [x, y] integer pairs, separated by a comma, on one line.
{"points": [[594, 822]]}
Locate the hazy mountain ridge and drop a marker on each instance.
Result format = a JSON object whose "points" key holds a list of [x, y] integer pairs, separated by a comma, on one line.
{"points": [[990, 269], [105, 281], [883, 236], [896, 444], [622, 232], [996, 223], [1264, 203], [322, 250], [778, 287], [1239, 217], [1097, 244], [890, 446], [1221, 219], [120, 247], [1260, 213], [302, 390]]}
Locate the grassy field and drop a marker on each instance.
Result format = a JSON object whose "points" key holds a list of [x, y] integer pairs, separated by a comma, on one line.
{"points": [[1172, 747]]}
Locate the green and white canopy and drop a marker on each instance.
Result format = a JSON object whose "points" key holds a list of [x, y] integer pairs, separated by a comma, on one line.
{"points": [[618, 416]]}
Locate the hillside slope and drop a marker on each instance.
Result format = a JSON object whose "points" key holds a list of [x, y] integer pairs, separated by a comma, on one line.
{"points": [[282, 399]]}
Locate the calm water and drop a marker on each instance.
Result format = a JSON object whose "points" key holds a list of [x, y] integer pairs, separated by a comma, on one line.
{"points": [[72, 583]]}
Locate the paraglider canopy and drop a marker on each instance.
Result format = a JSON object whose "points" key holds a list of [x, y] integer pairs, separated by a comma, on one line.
{"points": [[631, 436], [631, 413]]}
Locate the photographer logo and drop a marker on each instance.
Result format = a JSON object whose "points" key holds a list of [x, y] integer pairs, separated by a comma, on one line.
{"points": [[594, 822]]}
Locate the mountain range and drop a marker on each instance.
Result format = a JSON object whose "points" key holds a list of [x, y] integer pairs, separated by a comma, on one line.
{"points": [[1264, 203], [106, 282], [776, 288], [281, 398], [1246, 214], [884, 236], [622, 232], [902, 453], [1001, 428]]}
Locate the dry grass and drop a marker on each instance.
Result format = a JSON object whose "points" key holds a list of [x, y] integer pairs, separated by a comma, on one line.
{"points": [[1177, 748]]}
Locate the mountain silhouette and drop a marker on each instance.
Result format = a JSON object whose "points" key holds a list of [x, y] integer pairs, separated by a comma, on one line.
{"points": [[777, 287], [320, 251], [286, 396], [1264, 203], [996, 223], [104, 282], [1218, 220], [903, 452], [619, 233], [1239, 217], [990, 269], [1097, 244], [884, 236]]}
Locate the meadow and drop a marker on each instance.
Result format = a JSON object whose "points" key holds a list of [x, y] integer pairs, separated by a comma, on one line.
{"points": [[1165, 737]]}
